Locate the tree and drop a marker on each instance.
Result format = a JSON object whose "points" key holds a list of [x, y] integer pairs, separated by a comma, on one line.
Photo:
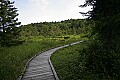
{"points": [[104, 57], [8, 20], [104, 14]]}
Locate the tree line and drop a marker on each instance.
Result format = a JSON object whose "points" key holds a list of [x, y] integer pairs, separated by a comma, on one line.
{"points": [[11, 32], [52, 29]]}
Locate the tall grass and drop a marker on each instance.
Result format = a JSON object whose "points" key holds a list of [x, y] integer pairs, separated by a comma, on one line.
{"points": [[13, 59], [67, 62], [71, 63]]}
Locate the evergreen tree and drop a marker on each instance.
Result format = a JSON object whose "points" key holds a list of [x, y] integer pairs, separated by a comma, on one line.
{"points": [[104, 54], [8, 21]]}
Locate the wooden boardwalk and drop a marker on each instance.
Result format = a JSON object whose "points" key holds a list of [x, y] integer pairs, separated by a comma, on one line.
{"points": [[41, 68]]}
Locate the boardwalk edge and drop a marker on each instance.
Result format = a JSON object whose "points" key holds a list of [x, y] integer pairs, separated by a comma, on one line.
{"points": [[53, 70]]}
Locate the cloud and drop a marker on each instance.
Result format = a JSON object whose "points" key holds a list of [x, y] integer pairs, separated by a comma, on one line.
{"points": [[41, 4], [32, 11]]}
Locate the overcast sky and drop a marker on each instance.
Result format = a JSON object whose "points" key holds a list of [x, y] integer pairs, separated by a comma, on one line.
{"points": [[32, 11]]}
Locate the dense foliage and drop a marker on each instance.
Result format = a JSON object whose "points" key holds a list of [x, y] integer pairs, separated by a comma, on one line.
{"points": [[55, 29], [103, 54]]}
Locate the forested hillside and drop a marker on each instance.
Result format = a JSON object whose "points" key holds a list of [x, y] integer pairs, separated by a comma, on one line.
{"points": [[55, 29]]}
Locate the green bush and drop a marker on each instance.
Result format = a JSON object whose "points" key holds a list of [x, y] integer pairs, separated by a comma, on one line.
{"points": [[102, 60]]}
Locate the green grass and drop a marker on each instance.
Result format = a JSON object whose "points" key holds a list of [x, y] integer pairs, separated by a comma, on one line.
{"points": [[67, 62], [70, 64], [13, 59]]}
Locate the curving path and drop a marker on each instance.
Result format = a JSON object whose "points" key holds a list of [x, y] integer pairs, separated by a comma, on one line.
{"points": [[41, 68]]}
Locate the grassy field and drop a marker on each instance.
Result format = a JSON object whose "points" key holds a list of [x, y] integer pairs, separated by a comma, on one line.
{"points": [[70, 62], [67, 62], [13, 59]]}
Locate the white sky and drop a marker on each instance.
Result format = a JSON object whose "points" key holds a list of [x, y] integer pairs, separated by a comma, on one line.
{"points": [[32, 11]]}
